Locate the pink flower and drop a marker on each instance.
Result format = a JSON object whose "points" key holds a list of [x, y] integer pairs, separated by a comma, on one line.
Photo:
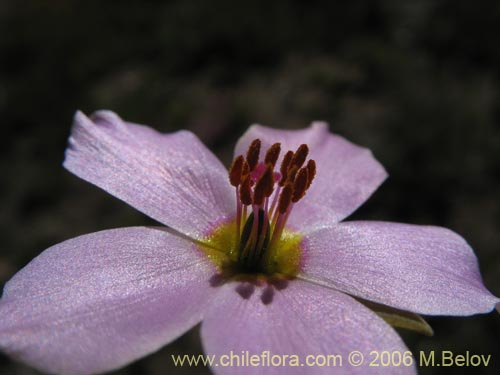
{"points": [[261, 257]]}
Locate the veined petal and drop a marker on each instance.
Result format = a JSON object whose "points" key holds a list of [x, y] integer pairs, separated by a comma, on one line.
{"points": [[423, 269], [173, 178], [299, 320], [346, 174], [102, 300]]}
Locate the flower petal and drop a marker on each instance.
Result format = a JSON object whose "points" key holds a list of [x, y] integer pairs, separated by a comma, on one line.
{"points": [[173, 178], [423, 269], [100, 301], [300, 320], [346, 174]]}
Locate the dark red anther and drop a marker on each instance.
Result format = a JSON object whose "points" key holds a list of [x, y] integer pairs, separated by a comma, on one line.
{"points": [[236, 171], [292, 172], [245, 191], [311, 169], [269, 180], [285, 198], [253, 154], [300, 156], [300, 184], [264, 186], [272, 154], [284, 167], [245, 170]]}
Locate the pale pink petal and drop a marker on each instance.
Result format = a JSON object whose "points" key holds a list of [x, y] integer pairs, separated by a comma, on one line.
{"points": [[173, 178], [100, 301], [298, 319], [423, 269], [346, 173]]}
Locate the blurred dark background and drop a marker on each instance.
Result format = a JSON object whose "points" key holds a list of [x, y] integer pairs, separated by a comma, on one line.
{"points": [[418, 82]]}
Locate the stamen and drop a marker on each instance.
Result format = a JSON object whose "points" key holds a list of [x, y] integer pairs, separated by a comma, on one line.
{"points": [[272, 154], [245, 191], [285, 198], [284, 167], [292, 172], [236, 171], [300, 156], [269, 181], [246, 168], [253, 154], [311, 169], [264, 186], [300, 184]]}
